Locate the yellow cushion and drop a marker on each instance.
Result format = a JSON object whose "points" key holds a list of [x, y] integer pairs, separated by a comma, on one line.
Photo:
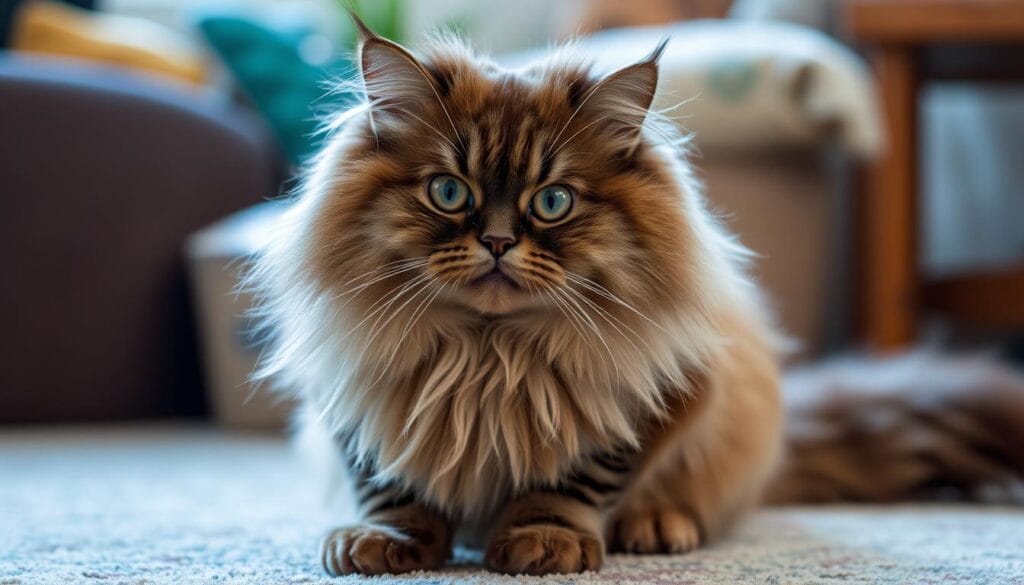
{"points": [[59, 29]]}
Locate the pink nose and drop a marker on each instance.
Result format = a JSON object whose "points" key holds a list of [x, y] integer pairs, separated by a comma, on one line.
{"points": [[498, 245]]}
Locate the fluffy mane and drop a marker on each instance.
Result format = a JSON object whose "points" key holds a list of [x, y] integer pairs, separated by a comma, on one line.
{"points": [[461, 404]]}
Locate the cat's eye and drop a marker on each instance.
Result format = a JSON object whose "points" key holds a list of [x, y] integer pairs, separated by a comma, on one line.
{"points": [[551, 203], [448, 193]]}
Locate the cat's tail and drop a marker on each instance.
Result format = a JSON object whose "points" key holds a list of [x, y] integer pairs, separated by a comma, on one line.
{"points": [[915, 427]]}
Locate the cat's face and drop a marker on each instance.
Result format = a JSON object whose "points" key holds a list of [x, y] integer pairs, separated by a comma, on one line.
{"points": [[505, 191]]}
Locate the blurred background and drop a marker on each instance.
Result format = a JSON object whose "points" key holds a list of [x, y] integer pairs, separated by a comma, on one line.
{"points": [[869, 151]]}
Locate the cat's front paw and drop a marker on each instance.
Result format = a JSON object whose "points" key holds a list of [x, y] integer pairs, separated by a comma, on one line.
{"points": [[654, 531], [372, 549], [539, 549]]}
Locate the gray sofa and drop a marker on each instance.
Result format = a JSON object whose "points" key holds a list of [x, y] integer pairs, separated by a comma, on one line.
{"points": [[102, 175]]}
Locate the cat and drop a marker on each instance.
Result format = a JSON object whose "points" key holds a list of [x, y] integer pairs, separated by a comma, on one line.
{"points": [[502, 296]]}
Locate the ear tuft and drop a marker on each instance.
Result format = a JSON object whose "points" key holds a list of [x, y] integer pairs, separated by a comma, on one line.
{"points": [[655, 55], [622, 100], [364, 31], [397, 85]]}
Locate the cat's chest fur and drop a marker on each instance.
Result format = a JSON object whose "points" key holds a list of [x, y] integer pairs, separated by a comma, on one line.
{"points": [[487, 411]]}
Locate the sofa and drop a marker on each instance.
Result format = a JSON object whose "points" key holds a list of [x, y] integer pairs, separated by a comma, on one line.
{"points": [[102, 175]]}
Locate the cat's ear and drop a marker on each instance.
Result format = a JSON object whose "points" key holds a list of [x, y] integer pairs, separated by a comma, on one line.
{"points": [[397, 84], [623, 99]]}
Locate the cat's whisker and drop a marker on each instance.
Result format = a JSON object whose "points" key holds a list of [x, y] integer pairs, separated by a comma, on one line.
{"points": [[359, 362], [529, 287], [423, 307], [389, 274], [416, 260], [386, 266], [417, 313], [375, 276], [457, 273], [377, 330], [390, 300], [604, 292], [559, 304], [536, 286], [545, 288], [420, 406], [570, 317], [383, 303], [377, 306], [604, 314], [593, 326]]}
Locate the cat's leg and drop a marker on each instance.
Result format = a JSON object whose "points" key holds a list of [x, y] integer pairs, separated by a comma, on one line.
{"points": [[647, 523], [702, 470], [559, 530], [397, 535], [693, 494], [546, 532]]}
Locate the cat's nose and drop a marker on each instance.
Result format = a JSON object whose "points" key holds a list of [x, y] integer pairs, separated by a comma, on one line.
{"points": [[498, 245]]}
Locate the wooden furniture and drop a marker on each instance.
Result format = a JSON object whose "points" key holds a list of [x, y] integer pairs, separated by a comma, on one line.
{"points": [[597, 15], [908, 40]]}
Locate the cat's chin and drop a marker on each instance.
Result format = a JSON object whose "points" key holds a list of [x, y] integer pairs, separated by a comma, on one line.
{"points": [[495, 296]]}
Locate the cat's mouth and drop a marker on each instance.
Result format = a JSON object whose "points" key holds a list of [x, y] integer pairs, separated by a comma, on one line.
{"points": [[495, 277]]}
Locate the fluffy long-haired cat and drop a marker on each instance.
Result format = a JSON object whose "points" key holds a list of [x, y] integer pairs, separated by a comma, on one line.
{"points": [[500, 293]]}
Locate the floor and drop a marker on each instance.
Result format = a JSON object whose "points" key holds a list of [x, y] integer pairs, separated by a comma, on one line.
{"points": [[193, 505]]}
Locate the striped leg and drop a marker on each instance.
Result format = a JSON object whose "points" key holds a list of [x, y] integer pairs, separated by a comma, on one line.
{"points": [[397, 535], [559, 529]]}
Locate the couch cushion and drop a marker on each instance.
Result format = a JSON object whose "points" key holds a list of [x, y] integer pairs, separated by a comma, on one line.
{"points": [[102, 175]]}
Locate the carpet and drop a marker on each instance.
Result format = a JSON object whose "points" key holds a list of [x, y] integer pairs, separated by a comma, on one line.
{"points": [[176, 505]]}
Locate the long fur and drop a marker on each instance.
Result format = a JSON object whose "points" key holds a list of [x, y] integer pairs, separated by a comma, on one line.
{"points": [[487, 414]]}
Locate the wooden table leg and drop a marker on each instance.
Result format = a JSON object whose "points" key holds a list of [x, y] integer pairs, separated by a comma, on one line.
{"points": [[889, 228]]}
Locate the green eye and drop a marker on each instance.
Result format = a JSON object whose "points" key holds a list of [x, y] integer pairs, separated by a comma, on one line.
{"points": [[448, 193], [552, 203]]}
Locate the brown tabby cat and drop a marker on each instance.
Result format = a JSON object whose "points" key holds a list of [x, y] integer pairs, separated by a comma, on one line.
{"points": [[500, 292]]}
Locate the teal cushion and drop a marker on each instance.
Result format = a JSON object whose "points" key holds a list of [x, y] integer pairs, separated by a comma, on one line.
{"points": [[291, 92]]}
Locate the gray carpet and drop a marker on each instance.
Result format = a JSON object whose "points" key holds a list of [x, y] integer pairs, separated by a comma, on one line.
{"points": [[180, 505]]}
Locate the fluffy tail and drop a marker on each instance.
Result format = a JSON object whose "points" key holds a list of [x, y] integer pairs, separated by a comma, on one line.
{"points": [[910, 428]]}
